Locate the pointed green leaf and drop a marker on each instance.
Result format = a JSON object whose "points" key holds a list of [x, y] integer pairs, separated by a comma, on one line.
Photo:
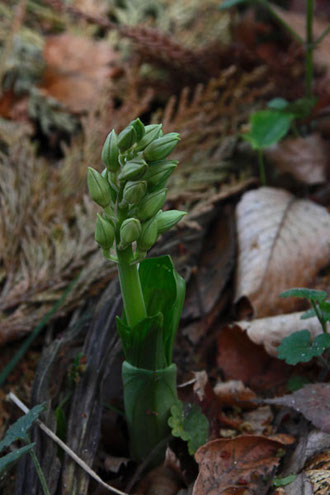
{"points": [[284, 481], [18, 430], [7, 461]]}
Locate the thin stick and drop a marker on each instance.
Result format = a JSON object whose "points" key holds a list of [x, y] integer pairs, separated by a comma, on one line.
{"points": [[61, 444]]}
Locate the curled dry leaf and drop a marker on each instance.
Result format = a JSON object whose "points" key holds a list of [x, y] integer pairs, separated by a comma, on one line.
{"points": [[303, 158], [236, 466], [283, 243], [235, 393], [313, 401], [270, 331], [77, 70]]}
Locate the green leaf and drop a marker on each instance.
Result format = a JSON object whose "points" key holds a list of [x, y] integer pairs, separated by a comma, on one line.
{"points": [[189, 423], [296, 382], [297, 348], [321, 343], [277, 104], [7, 461], [143, 344], [163, 291], [310, 313], [284, 481], [310, 294], [325, 310], [267, 127], [302, 107], [18, 430], [227, 4]]}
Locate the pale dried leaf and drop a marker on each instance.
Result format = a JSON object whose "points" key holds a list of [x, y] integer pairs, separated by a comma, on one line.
{"points": [[235, 393], [77, 70], [320, 479], [303, 158], [283, 243], [270, 331], [313, 401]]}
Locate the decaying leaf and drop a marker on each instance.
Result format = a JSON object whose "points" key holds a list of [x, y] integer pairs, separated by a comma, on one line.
{"points": [[235, 393], [161, 480], [241, 359], [318, 471], [313, 401], [303, 158], [283, 243], [270, 331], [77, 70], [236, 466]]}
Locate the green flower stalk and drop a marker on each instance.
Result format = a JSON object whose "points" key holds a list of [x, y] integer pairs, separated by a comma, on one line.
{"points": [[132, 191]]}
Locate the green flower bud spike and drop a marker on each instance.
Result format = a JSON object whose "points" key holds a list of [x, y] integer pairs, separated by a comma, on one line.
{"points": [[161, 147], [139, 128], [151, 204], [98, 187], [134, 169], [126, 138], [130, 231], [134, 191], [110, 152], [152, 132], [104, 232], [167, 219]]}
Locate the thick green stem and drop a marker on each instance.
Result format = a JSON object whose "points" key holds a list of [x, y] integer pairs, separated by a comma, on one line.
{"points": [[131, 290], [309, 48], [261, 167]]}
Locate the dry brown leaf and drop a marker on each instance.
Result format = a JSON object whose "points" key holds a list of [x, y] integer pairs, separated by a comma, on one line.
{"points": [[258, 421], [303, 158], [313, 401], [270, 331], [236, 466], [161, 480], [235, 393], [283, 243], [77, 70], [240, 359]]}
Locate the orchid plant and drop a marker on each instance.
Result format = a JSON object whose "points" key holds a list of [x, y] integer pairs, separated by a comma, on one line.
{"points": [[132, 191]]}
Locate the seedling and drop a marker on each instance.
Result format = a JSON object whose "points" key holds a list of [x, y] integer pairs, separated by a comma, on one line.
{"points": [[268, 127], [299, 347], [132, 191], [19, 431]]}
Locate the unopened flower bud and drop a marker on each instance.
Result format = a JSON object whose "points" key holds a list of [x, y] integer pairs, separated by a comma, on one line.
{"points": [[126, 138], [98, 187], [159, 171], [134, 191], [134, 169], [113, 188], [130, 231], [152, 132], [167, 219], [110, 152], [148, 235], [150, 204], [139, 128], [104, 232], [161, 147]]}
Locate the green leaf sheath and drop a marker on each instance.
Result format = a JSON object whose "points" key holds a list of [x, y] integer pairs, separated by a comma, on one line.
{"points": [[148, 398]]}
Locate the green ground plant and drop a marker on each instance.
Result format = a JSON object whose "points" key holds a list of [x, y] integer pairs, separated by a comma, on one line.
{"points": [[19, 431], [300, 347], [132, 192], [268, 127]]}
